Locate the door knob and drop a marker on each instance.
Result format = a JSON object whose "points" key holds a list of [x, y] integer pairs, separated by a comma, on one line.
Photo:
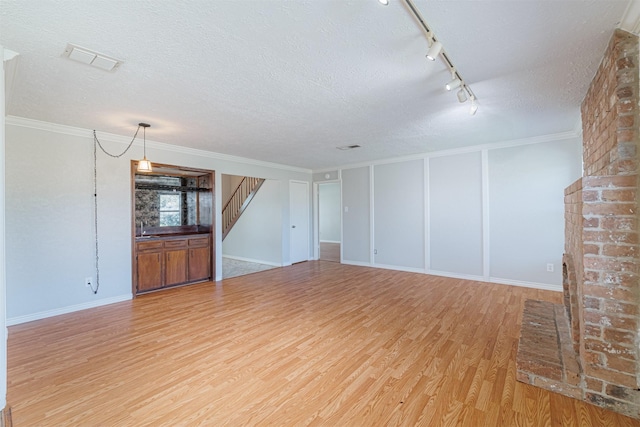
{"points": [[293, 226]]}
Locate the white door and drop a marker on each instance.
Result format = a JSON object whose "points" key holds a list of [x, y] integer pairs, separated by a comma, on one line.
{"points": [[299, 221]]}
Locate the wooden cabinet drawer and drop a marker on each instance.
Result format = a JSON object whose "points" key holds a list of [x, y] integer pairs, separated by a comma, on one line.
{"points": [[171, 244], [150, 245], [199, 241]]}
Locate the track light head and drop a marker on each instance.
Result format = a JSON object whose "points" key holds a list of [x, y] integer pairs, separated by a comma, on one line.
{"points": [[384, 2], [434, 51], [474, 106], [453, 84], [462, 96]]}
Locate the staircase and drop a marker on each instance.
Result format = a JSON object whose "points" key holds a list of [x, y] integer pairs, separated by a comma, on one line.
{"points": [[238, 202]]}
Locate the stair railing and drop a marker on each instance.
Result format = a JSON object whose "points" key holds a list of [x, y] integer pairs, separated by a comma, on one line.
{"points": [[238, 202]]}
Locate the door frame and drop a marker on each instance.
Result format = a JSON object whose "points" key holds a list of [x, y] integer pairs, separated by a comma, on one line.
{"points": [[316, 216]]}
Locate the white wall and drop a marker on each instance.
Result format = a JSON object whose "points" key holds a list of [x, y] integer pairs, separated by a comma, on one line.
{"points": [[356, 216], [329, 211], [527, 211], [257, 235], [455, 214], [3, 290], [399, 214], [492, 213], [49, 213]]}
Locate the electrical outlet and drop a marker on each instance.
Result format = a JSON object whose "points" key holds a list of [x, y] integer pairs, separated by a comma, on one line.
{"points": [[550, 268], [88, 281]]}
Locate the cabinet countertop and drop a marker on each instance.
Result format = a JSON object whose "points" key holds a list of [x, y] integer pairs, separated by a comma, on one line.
{"points": [[170, 236]]}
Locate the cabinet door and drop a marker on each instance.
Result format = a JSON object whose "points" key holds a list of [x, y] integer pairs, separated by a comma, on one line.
{"points": [[199, 263], [175, 267], [149, 271]]}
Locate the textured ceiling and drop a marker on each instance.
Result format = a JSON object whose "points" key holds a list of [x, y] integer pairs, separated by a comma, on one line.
{"points": [[288, 81]]}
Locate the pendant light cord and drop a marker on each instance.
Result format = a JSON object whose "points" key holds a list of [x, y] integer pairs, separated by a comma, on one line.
{"points": [[96, 144]]}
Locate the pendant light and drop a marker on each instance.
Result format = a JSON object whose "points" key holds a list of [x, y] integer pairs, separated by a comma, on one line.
{"points": [[144, 165]]}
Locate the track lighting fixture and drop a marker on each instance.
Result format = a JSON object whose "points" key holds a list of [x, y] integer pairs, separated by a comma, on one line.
{"points": [[462, 96], [434, 50], [384, 2], [453, 84], [474, 106]]}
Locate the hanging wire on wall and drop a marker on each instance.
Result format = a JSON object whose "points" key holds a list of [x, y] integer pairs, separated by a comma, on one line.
{"points": [[96, 144]]}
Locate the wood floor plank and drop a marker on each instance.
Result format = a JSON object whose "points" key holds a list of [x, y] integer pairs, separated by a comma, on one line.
{"points": [[317, 343]]}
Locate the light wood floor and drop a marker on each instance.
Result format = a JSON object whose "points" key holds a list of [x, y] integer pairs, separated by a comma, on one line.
{"points": [[317, 343]]}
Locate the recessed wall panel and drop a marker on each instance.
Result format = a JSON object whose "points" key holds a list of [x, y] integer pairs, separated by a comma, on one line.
{"points": [[399, 214], [355, 215], [526, 193], [455, 213]]}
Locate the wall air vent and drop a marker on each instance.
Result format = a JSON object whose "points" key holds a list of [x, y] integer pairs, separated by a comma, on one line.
{"points": [[348, 147], [89, 57]]}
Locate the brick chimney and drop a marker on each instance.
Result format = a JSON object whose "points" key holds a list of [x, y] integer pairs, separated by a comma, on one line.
{"points": [[601, 247], [601, 264]]}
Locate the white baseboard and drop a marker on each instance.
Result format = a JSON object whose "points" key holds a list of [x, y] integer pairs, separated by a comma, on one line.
{"points": [[68, 309], [358, 263], [257, 261], [400, 268], [457, 275], [384, 266], [474, 278], [543, 286], [498, 280], [330, 241]]}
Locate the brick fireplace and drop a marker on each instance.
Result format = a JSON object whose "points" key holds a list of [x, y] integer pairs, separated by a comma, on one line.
{"points": [[595, 334]]}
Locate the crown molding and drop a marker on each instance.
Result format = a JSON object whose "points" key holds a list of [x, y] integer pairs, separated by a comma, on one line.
{"points": [[631, 19], [574, 133], [88, 133]]}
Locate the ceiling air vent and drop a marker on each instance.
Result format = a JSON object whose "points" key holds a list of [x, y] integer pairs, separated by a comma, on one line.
{"points": [[89, 57], [348, 147]]}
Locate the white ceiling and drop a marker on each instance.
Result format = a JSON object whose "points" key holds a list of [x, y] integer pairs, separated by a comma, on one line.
{"points": [[288, 81]]}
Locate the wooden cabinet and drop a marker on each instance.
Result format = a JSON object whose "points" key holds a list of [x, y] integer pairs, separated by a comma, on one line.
{"points": [[149, 271], [169, 261], [175, 267], [199, 259]]}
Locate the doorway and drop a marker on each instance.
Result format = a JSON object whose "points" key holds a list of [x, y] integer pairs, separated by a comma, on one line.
{"points": [[252, 215], [329, 221]]}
